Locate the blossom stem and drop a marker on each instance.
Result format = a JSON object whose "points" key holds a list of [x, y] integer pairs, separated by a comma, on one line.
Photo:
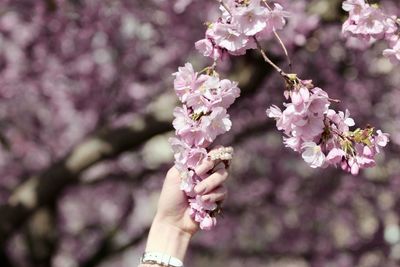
{"points": [[269, 61], [209, 68], [263, 53], [334, 100], [284, 49], [225, 6], [280, 40], [266, 4], [332, 130]]}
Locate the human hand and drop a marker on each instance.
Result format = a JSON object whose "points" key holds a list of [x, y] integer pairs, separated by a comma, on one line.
{"points": [[173, 205], [173, 226]]}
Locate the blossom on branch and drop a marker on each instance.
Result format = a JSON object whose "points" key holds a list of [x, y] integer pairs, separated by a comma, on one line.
{"points": [[323, 135], [202, 117], [368, 23], [240, 23], [320, 134], [393, 53]]}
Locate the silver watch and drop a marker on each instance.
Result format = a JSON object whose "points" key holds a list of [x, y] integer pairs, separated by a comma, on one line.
{"points": [[161, 259]]}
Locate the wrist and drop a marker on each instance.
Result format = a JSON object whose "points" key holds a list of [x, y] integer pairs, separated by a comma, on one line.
{"points": [[168, 239]]}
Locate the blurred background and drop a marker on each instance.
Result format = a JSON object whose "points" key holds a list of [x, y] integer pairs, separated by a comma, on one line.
{"points": [[85, 114]]}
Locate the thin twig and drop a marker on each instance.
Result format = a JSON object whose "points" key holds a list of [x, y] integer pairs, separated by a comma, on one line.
{"points": [[266, 4], [334, 100], [284, 49], [268, 60], [280, 40], [225, 6], [263, 53]]}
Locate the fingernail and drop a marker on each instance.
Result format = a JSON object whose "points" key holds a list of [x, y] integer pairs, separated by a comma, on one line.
{"points": [[205, 198]]}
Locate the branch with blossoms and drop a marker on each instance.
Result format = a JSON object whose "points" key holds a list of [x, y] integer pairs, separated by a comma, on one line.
{"points": [[321, 134], [198, 122], [368, 23]]}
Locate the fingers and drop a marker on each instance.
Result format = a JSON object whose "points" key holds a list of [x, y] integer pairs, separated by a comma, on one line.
{"points": [[213, 181], [219, 194], [206, 165]]}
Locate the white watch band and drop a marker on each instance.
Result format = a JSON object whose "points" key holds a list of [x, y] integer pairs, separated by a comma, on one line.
{"points": [[161, 259]]}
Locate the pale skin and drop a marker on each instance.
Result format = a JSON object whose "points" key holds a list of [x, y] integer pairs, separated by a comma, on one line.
{"points": [[172, 226]]}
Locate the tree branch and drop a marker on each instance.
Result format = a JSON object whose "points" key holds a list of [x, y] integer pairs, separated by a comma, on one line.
{"points": [[46, 187]]}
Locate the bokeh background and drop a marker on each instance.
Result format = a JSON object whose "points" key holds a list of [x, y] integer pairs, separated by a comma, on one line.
{"points": [[85, 114]]}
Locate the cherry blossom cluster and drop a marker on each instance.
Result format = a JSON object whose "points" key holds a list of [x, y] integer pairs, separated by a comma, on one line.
{"points": [[311, 127], [241, 23], [368, 23], [323, 135], [202, 117]]}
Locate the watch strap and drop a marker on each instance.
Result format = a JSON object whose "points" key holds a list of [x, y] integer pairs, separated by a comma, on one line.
{"points": [[161, 259]]}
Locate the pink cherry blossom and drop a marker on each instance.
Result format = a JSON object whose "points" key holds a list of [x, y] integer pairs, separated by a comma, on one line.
{"points": [[216, 123], [182, 122], [199, 213], [299, 97], [202, 117], [276, 17], [353, 166], [274, 112], [341, 120], [208, 49], [364, 158], [198, 204], [187, 129], [380, 140], [205, 47], [228, 93], [335, 156], [275, 21], [353, 6], [187, 182], [229, 37], [393, 53], [238, 25], [207, 222], [367, 24], [203, 99], [313, 154], [184, 81], [186, 155], [303, 117], [318, 103], [311, 127], [213, 93], [322, 134], [251, 19], [293, 142]]}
